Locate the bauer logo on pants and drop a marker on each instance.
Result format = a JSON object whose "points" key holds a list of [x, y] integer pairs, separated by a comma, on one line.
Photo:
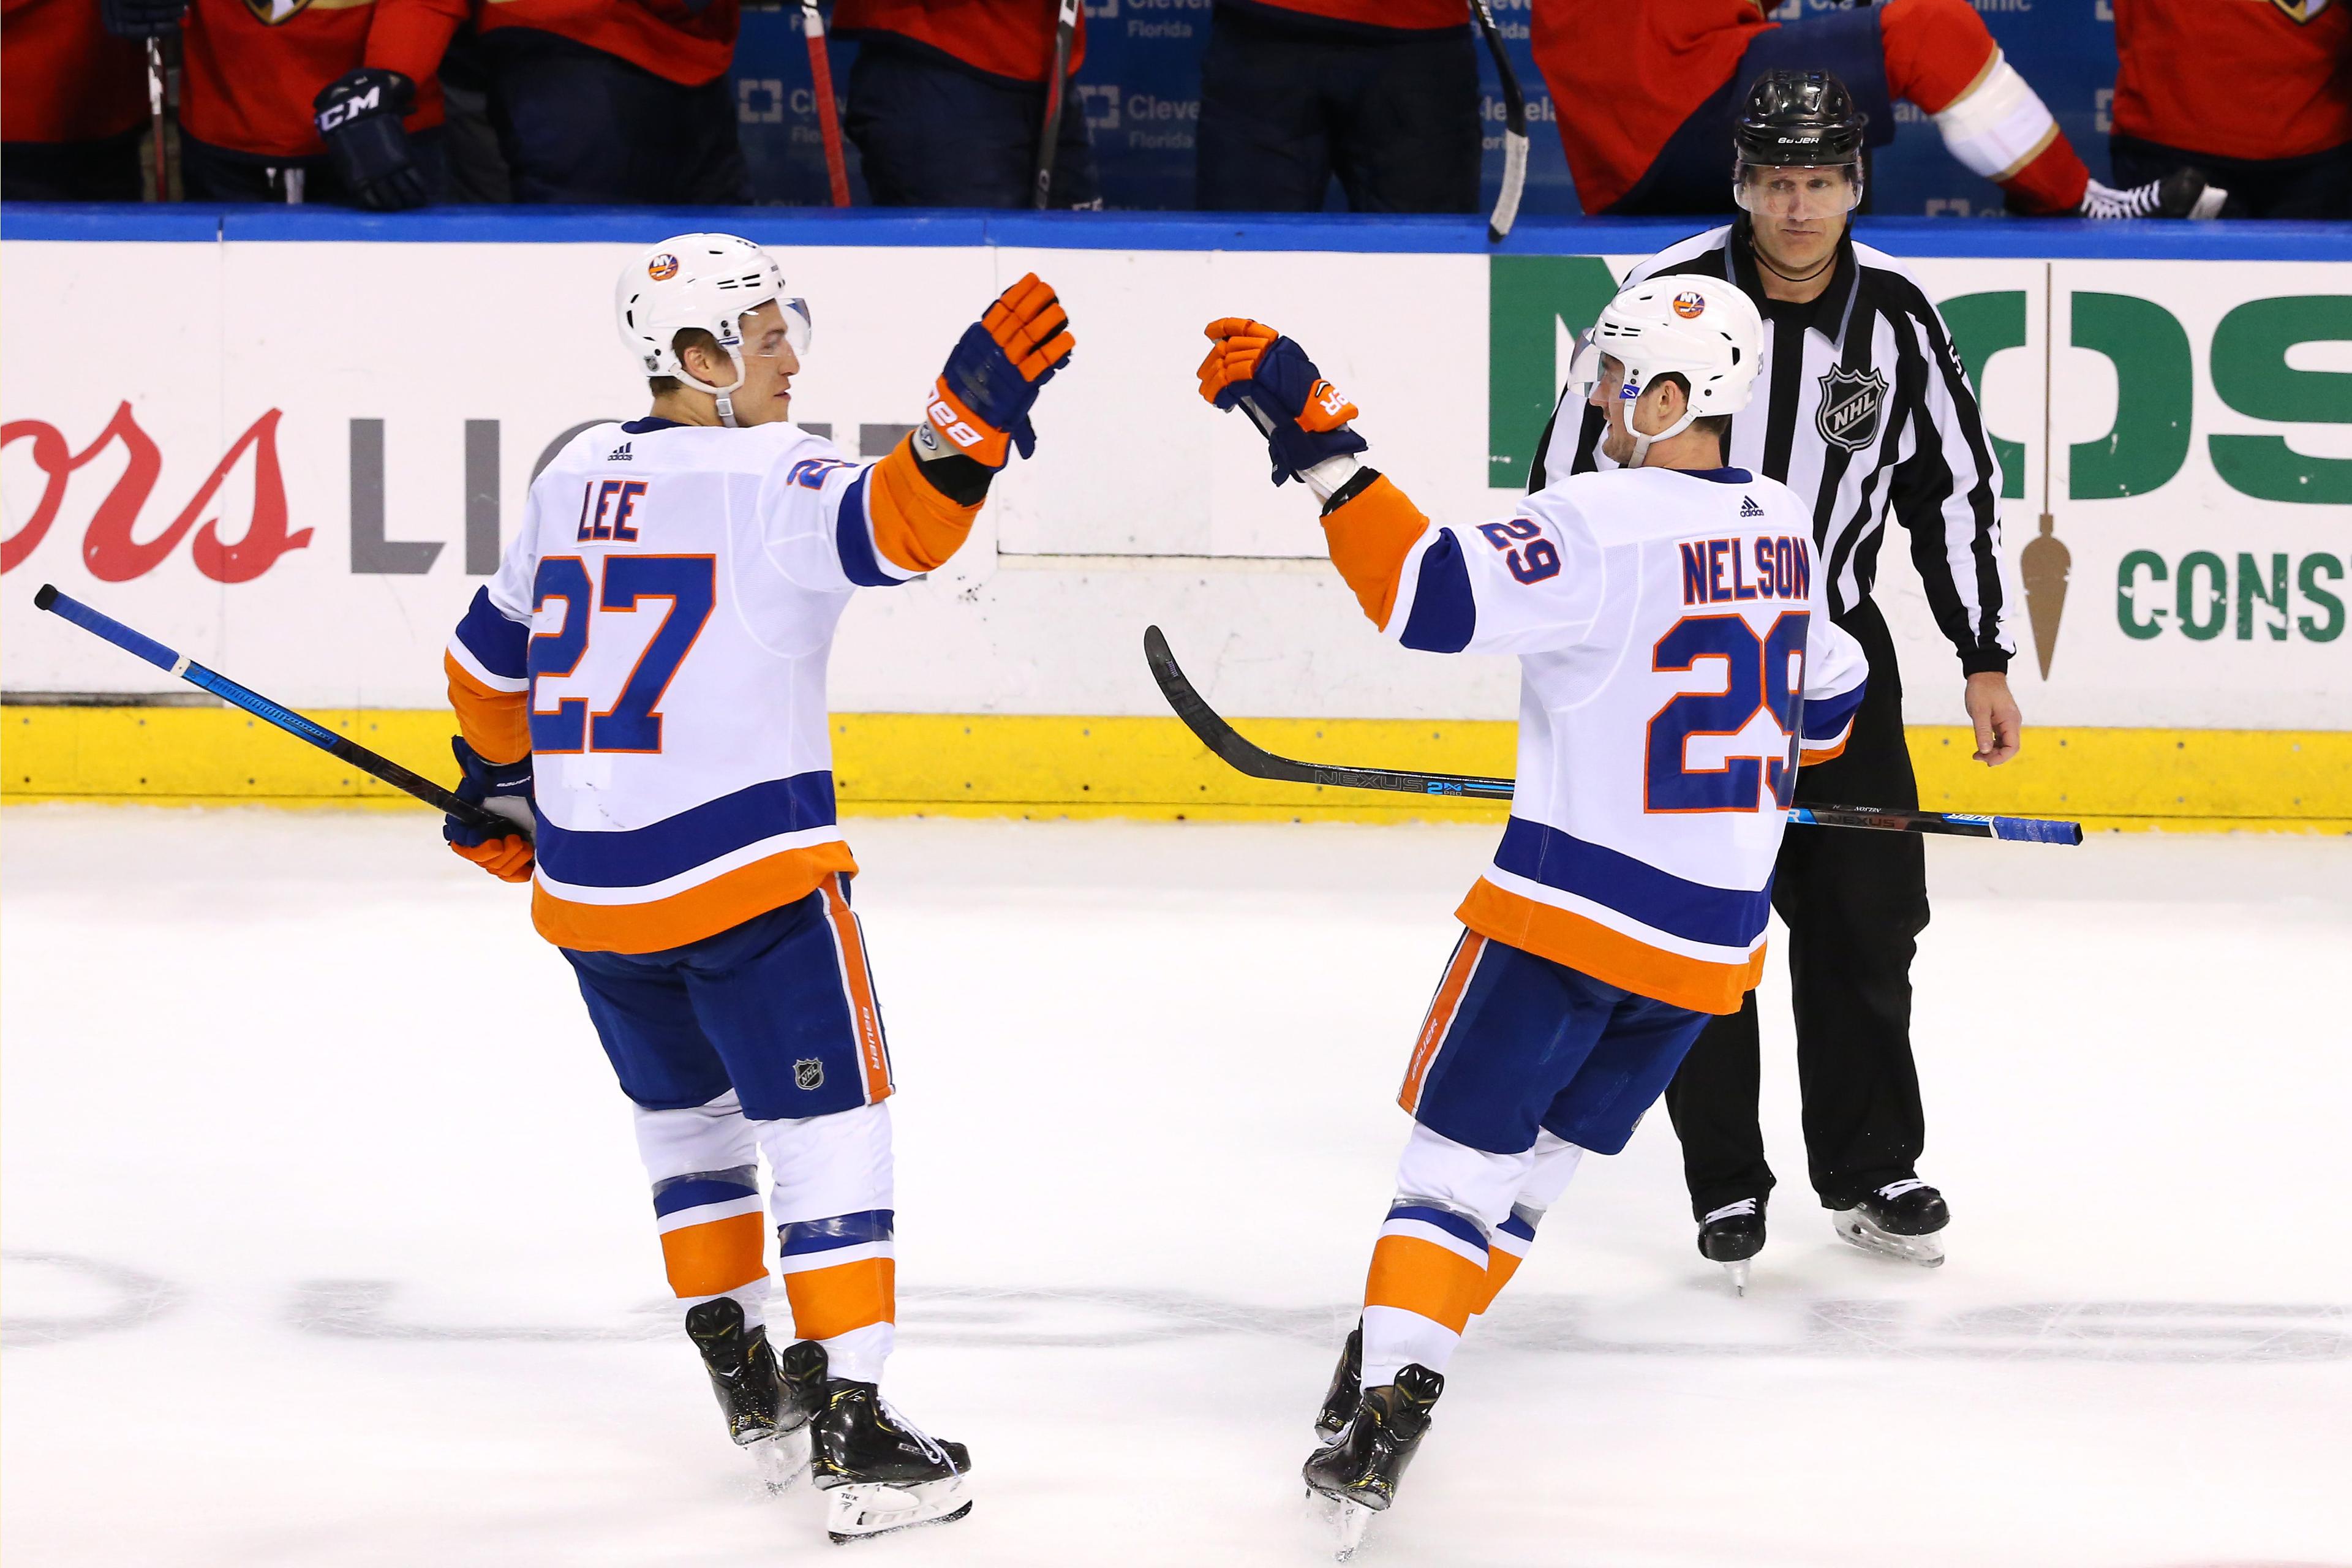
{"points": [[808, 1073], [1850, 406]]}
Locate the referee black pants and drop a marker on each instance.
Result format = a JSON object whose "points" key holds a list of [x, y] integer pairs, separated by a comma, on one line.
{"points": [[1856, 902]]}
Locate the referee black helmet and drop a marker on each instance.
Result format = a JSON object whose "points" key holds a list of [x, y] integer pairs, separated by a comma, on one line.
{"points": [[1799, 120]]}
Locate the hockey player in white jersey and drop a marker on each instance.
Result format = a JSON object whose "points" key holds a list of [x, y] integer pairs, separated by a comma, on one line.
{"points": [[645, 683], [1678, 667]]}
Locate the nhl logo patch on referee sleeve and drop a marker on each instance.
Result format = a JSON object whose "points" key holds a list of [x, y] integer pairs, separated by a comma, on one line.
{"points": [[1850, 406]]}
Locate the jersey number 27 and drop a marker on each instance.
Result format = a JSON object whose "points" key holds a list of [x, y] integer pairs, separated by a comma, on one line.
{"points": [[688, 584]]}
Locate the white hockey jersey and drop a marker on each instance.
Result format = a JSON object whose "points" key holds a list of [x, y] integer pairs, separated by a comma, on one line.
{"points": [[657, 639], [1678, 664]]}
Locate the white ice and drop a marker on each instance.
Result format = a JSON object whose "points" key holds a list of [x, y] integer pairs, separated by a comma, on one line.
{"points": [[327, 1244]]}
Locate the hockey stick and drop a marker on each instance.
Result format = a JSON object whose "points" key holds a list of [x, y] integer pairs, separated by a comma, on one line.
{"points": [[1065, 24], [828, 113], [1242, 755], [1515, 128], [155, 117], [477, 817]]}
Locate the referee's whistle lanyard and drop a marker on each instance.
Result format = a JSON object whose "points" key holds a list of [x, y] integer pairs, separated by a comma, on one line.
{"points": [[1765, 261]]}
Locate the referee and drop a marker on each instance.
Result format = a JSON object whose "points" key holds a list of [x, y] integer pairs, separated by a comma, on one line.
{"points": [[1863, 405]]}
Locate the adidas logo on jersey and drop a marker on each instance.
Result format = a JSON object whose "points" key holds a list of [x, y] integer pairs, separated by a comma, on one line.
{"points": [[1747, 507], [620, 454]]}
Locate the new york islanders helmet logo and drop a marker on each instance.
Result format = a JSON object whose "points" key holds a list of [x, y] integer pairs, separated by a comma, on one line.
{"points": [[1690, 304], [662, 267]]}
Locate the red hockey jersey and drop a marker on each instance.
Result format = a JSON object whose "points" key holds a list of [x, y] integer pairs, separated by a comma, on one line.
{"points": [[1011, 39], [63, 78], [1625, 74], [254, 66], [2237, 79], [659, 35]]}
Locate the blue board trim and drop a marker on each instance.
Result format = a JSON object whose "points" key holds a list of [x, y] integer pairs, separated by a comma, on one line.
{"points": [[2036, 238], [640, 857]]}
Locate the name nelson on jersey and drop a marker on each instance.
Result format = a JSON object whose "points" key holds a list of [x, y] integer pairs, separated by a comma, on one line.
{"points": [[1714, 572]]}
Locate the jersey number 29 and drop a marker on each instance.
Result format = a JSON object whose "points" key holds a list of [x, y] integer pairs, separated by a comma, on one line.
{"points": [[631, 723], [1764, 674]]}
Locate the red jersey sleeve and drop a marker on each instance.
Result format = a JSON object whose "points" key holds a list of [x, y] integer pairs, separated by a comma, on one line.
{"points": [[1625, 75], [663, 37], [63, 78], [2186, 66], [411, 36], [1011, 39]]}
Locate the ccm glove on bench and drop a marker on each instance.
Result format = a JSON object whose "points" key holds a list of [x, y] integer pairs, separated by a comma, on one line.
{"points": [[505, 788], [979, 404], [359, 116], [141, 18], [1304, 416]]}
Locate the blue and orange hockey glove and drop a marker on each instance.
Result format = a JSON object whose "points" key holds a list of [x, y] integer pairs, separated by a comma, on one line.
{"points": [[980, 405], [1304, 417], [505, 788]]}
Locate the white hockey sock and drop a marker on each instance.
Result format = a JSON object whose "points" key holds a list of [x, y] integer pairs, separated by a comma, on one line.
{"points": [[1998, 125]]}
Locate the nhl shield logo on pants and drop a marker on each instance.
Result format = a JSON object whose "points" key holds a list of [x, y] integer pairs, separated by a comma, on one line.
{"points": [[808, 1073], [1850, 405]]}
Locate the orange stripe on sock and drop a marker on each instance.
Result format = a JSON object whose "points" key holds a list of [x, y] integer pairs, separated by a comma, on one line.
{"points": [[829, 1301], [1608, 955], [1441, 1016], [1369, 538], [724, 902], [865, 1011], [723, 1255], [1421, 1277], [1500, 1267], [497, 724]]}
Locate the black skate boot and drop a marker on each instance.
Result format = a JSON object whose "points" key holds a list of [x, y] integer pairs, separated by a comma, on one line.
{"points": [[1900, 1220], [879, 1472], [1731, 1236], [2184, 193], [1359, 1473], [765, 1416], [1347, 1389]]}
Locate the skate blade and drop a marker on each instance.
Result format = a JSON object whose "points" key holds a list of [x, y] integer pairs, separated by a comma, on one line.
{"points": [[1855, 1228], [865, 1509], [782, 1461], [1345, 1521], [1737, 1274]]}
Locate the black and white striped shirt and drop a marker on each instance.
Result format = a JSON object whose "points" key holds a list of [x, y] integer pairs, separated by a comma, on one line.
{"points": [[1862, 406]]}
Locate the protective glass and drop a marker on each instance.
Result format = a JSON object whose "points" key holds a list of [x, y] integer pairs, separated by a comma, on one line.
{"points": [[1822, 191], [795, 327]]}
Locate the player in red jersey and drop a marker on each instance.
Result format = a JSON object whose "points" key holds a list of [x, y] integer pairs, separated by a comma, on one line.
{"points": [[1649, 89], [2283, 150], [73, 105], [946, 102], [1381, 94]]}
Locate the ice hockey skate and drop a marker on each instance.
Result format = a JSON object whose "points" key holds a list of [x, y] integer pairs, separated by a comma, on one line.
{"points": [[2183, 194], [879, 1472], [1731, 1236], [1347, 1389], [767, 1413], [1357, 1475], [1899, 1220]]}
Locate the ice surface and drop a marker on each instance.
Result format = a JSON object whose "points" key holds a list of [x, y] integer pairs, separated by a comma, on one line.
{"points": [[327, 1244]]}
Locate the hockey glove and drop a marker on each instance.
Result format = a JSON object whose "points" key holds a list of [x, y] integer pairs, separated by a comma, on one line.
{"points": [[505, 788], [141, 18], [1304, 416], [359, 119], [980, 403]]}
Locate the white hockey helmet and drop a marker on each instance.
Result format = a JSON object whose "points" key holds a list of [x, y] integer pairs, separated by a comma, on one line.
{"points": [[1705, 329], [706, 281]]}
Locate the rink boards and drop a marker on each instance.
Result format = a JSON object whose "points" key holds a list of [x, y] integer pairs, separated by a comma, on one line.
{"points": [[290, 445]]}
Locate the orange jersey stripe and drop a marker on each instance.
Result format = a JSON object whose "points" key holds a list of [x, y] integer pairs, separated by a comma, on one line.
{"points": [[722, 1255], [1808, 754], [1607, 955], [865, 1014], [497, 724], [1441, 1016], [830, 1301], [725, 902], [1421, 1277], [915, 527], [1370, 538]]}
